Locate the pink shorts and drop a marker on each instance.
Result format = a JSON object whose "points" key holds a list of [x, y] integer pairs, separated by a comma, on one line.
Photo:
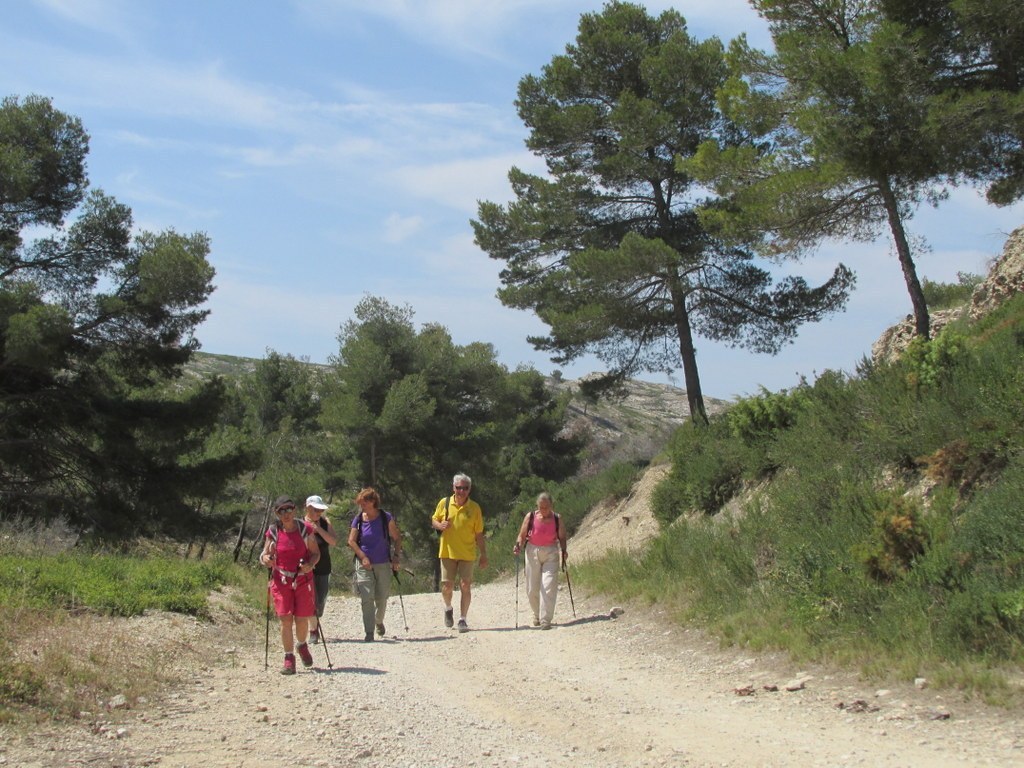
{"points": [[296, 598]]}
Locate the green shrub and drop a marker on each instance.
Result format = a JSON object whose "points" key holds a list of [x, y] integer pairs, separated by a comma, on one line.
{"points": [[897, 539], [707, 469], [933, 361], [757, 422], [947, 295], [831, 560]]}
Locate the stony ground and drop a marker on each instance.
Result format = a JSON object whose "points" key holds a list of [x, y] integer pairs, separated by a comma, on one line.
{"points": [[593, 691], [636, 690]]}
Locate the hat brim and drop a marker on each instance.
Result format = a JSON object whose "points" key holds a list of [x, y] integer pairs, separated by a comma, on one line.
{"points": [[314, 505]]}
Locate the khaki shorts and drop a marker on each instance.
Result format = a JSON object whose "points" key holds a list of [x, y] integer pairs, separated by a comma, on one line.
{"points": [[452, 568]]}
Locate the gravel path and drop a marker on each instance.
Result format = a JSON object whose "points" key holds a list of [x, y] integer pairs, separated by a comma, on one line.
{"points": [[593, 691]]}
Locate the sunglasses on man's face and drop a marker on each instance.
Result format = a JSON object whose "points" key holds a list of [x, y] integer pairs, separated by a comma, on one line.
{"points": [[461, 487]]}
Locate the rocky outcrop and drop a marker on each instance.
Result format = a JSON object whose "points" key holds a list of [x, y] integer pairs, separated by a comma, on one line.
{"points": [[627, 524], [1006, 279], [894, 341], [632, 427]]}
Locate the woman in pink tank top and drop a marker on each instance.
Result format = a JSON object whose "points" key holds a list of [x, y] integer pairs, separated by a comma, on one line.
{"points": [[543, 536], [290, 553]]}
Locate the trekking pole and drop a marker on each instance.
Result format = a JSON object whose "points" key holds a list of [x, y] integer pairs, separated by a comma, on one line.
{"points": [[266, 645], [401, 602], [517, 591], [323, 640], [572, 602]]}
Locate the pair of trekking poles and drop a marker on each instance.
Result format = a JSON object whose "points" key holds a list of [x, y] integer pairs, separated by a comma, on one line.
{"points": [[266, 643], [320, 633], [568, 582]]}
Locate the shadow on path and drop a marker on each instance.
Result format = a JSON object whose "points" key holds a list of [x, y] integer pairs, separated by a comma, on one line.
{"points": [[351, 671]]}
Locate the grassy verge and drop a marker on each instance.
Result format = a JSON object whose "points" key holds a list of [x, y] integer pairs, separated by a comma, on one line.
{"points": [[889, 536], [77, 630]]}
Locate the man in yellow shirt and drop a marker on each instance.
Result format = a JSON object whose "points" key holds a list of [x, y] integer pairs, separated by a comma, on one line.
{"points": [[461, 523]]}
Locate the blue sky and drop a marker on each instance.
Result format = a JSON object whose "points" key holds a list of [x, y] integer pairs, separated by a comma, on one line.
{"points": [[337, 148]]}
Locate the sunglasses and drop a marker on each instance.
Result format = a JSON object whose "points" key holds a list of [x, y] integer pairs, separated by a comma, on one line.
{"points": [[461, 487], [285, 508]]}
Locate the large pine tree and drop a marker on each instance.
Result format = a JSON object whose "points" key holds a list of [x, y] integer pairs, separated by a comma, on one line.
{"points": [[607, 249], [96, 322]]}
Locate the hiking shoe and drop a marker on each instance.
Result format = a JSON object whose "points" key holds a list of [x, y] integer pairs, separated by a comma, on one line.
{"points": [[369, 637], [449, 617], [380, 630], [314, 636], [536, 621], [307, 657], [463, 626], [545, 624], [289, 664]]}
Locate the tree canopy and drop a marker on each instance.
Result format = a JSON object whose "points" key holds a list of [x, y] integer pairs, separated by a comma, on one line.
{"points": [[405, 409], [96, 321], [839, 136], [608, 249], [974, 50]]}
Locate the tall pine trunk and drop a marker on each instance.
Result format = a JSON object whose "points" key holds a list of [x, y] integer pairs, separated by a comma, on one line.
{"points": [[688, 354], [899, 236]]}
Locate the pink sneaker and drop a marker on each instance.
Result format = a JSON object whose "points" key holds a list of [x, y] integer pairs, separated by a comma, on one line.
{"points": [[289, 664], [305, 655]]}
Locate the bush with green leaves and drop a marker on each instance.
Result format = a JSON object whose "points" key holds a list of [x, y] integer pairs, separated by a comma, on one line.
{"points": [[930, 361], [758, 420], [891, 534], [948, 295], [707, 469], [897, 539]]}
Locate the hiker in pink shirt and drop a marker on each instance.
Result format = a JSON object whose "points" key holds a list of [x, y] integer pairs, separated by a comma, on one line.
{"points": [[542, 535], [290, 552]]}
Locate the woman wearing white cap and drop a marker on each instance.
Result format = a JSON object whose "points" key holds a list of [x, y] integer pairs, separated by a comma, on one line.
{"points": [[325, 538]]}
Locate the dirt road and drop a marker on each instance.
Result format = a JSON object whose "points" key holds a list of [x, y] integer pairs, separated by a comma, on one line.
{"points": [[593, 691]]}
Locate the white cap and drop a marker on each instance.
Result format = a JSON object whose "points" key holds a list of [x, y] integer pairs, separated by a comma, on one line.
{"points": [[316, 503]]}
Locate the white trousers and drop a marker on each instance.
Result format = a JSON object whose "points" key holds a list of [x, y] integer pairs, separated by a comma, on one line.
{"points": [[542, 580]]}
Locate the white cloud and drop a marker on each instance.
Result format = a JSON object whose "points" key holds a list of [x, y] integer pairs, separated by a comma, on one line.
{"points": [[248, 318], [495, 28], [455, 25], [104, 16], [398, 228], [460, 184]]}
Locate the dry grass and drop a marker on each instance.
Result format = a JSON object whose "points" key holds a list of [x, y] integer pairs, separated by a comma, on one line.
{"points": [[60, 666]]}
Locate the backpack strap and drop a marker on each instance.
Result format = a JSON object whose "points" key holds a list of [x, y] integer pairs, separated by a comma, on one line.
{"points": [[387, 532], [276, 529], [447, 500], [529, 525], [359, 528]]}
